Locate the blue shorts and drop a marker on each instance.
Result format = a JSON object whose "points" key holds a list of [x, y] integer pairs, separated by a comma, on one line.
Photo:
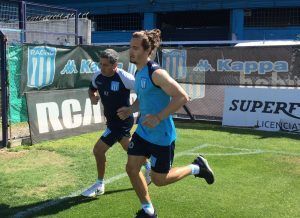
{"points": [[115, 131], [161, 157]]}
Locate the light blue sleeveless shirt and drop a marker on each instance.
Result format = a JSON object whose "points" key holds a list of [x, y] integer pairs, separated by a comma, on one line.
{"points": [[152, 100]]}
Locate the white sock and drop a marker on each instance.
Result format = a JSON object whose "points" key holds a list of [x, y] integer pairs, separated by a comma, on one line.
{"points": [[100, 181], [195, 169], [148, 208]]}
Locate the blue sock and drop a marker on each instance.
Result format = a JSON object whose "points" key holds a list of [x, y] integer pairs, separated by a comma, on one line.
{"points": [[147, 165], [195, 169]]}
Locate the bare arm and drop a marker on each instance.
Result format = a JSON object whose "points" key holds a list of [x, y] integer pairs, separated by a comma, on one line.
{"points": [[179, 97], [135, 107], [93, 91], [171, 88], [93, 96]]}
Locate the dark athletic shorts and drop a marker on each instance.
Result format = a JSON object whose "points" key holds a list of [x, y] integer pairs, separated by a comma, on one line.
{"points": [[161, 157], [115, 131]]}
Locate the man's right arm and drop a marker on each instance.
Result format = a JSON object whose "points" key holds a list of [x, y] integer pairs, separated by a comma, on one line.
{"points": [[93, 91], [93, 95]]}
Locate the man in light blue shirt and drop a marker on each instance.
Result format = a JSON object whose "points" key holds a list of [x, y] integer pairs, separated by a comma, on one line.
{"points": [[158, 96]]}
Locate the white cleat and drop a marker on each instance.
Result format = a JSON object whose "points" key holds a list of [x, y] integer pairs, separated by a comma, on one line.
{"points": [[147, 175], [94, 190]]}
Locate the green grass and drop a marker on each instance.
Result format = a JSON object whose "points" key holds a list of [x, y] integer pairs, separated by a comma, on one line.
{"points": [[264, 184]]}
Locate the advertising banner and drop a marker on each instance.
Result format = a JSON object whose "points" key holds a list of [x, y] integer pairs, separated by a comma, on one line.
{"points": [[263, 108], [62, 113]]}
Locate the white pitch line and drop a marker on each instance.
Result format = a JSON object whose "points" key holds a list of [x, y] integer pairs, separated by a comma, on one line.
{"points": [[262, 150], [233, 148], [183, 153], [227, 154], [32, 210], [281, 152]]}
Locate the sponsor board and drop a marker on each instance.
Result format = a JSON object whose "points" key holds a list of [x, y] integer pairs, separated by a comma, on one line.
{"points": [[262, 108], [59, 114]]}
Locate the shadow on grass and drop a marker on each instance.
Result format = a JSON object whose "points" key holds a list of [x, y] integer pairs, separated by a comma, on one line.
{"points": [[116, 191], [234, 130], [49, 207]]}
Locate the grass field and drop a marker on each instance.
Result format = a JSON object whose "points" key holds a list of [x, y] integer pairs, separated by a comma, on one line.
{"points": [[257, 175]]}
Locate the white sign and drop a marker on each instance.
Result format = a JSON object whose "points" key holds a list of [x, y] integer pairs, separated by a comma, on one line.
{"points": [[262, 108], [71, 112], [62, 113]]}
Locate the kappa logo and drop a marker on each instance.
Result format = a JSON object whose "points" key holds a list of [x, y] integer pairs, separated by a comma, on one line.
{"points": [[203, 66], [249, 67], [114, 86], [40, 66], [69, 68]]}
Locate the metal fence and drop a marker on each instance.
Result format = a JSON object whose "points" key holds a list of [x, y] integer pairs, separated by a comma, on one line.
{"points": [[272, 17], [29, 22], [117, 22], [4, 95]]}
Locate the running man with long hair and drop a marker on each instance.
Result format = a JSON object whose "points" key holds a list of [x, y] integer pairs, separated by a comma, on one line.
{"points": [[158, 97]]}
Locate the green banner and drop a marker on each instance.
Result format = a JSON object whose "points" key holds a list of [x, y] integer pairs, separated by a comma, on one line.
{"points": [[17, 103], [47, 67]]}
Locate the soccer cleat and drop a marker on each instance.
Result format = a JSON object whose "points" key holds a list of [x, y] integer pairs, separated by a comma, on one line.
{"points": [[205, 171], [147, 175], [142, 214], [94, 190]]}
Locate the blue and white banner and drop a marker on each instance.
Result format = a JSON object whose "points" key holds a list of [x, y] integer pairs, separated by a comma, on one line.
{"points": [[41, 66], [251, 66], [48, 67], [174, 62]]}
